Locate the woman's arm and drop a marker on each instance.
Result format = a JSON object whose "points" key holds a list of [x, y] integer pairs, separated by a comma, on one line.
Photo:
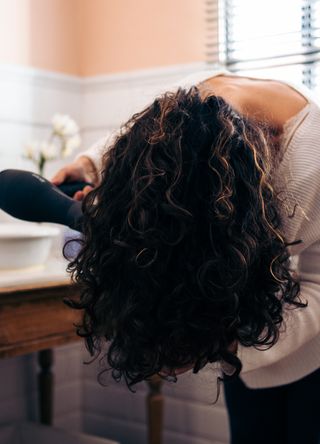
{"points": [[301, 324], [95, 152], [87, 166]]}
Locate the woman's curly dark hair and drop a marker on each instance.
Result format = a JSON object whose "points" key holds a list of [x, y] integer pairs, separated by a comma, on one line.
{"points": [[183, 250]]}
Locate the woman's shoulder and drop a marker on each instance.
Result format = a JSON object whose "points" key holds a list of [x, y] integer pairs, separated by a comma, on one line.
{"points": [[298, 176], [197, 77]]}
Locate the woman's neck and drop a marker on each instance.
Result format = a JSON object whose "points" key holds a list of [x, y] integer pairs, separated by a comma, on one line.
{"points": [[266, 101]]}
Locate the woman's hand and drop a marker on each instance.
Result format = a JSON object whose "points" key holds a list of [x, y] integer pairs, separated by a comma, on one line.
{"points": [[81, 169]]}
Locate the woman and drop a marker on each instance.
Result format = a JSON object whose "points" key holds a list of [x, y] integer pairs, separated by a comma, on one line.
{"points": [[203, 199]]}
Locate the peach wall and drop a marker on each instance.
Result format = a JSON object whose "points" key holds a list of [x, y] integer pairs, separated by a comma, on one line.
{"points": [[14, 26], [54, 38], [123, 35], [90, 37], [40, 33]]}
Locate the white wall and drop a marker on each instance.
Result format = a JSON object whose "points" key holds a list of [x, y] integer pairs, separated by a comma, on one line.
{"points": [[29, 99]]}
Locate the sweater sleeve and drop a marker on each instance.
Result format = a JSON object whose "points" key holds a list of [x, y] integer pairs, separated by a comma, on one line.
{"points": [[97, 149], [301, 325]]}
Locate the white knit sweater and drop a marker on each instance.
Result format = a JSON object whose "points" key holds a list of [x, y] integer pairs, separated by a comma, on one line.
{"points": [[297, 352]]}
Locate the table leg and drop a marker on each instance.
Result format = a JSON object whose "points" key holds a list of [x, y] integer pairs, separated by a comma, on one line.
{"points": [[155, 410], [45, 386]]}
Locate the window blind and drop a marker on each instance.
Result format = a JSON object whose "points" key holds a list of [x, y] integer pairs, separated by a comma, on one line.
{"points": [[214, 22], [271, 38]]}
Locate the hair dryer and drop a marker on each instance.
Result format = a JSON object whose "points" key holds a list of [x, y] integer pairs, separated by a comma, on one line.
{"points": [[29, 196]]}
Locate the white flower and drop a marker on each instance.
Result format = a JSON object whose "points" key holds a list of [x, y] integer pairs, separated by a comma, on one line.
{"points": [[31, 150], [64, 126], [66, 131], [48, 151], [70, 145]]}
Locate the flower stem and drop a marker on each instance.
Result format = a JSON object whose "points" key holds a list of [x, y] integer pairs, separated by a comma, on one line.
{"points": [[41, 164]]}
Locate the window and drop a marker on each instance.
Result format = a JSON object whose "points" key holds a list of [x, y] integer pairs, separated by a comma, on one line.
{"points": [[271, 38]]}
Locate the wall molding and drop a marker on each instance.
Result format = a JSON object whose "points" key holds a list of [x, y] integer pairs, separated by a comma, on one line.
{"points": [[51, 79], [151, 76], [98, 103], [39, 77]]}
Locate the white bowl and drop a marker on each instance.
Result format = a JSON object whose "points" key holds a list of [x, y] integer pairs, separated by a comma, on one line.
{"points": [[24, 245]]}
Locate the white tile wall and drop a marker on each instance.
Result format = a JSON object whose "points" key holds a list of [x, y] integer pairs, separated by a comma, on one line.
{"points": [[18, 389], [29, 99], [189, 415]]}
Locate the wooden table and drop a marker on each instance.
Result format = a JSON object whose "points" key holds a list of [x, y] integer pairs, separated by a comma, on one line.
{"points": [[33, 318]]}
